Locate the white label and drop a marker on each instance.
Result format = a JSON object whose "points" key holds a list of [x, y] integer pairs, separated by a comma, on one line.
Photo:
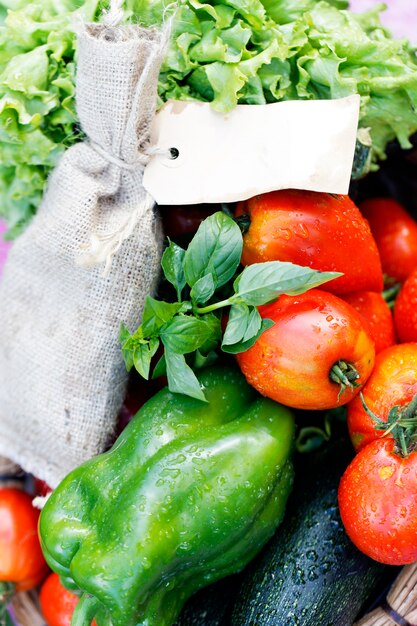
{"points": [[251, 150]]}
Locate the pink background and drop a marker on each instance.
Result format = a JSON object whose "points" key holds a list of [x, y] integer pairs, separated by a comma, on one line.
{"points": [[400, 17], [4, 246]]}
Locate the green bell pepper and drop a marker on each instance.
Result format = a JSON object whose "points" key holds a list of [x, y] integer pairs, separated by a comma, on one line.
{"points": [[189, 493]]}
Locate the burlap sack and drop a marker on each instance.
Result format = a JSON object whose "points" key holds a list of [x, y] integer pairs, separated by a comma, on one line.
{"points": [[62, 377]]}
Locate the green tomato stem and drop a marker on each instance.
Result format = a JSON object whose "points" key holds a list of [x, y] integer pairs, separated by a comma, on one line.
{"points": [[390, 294], [410, 410], [85, 610], [403, 442], [344, 374], [401, 422]]}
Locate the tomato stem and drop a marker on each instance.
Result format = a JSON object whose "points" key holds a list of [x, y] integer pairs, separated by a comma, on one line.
{"points": [[85, 610], [401, 422], [344, 374], [390, 294], [410, 410]]}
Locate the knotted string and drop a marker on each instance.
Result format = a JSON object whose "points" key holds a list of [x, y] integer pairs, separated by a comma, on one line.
{"points": [[115, 14], [103, 246]]}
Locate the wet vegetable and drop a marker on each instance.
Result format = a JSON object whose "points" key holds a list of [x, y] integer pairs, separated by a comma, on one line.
{"points": [[188, 494], [22, 565], [386, 396], [318, 230], [377, 500], [317, 355], [310, 574]]}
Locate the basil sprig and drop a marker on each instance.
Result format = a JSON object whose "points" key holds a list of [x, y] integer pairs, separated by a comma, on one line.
{"points": [[202, 276]]}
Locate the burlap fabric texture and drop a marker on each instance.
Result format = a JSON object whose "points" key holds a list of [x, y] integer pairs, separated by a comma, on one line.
{"points": [[62, 377]]}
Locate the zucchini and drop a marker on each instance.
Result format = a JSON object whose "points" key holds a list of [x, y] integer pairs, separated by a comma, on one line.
{"points": [[210, 606], [310, 574]]}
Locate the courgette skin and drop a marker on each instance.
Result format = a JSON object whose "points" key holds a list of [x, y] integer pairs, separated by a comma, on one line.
{"points": [[212, 605], [310, 574]]}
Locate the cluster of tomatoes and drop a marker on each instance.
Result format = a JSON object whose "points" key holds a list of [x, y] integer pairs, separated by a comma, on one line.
{"points": [[22, 565], [340, 344]]}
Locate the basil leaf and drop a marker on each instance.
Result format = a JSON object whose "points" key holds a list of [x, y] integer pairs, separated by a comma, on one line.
{"points": [[155, 315], [185, 334], [173, 266], [263, 282], [142, 356], [204, 360], [215, 249], [124, 338], [214, 323], [254, 325], [181, 378], [124, 333], [160, 368], [203, 289], [237, 324], [242, 346]]}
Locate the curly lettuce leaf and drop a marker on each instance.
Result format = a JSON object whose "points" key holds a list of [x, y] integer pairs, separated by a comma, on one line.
{"points": [[220, 51], [37, 112], [294, 50]]}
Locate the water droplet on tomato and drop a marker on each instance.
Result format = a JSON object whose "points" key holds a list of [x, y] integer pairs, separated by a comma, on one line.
{"points": [[302, 231], [284, 233]]}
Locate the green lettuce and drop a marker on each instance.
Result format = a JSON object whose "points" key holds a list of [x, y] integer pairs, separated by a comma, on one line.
{"points": [[220, 51]]}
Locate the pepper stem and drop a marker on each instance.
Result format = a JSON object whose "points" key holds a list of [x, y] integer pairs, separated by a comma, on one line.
{"points": [[345, 375], [85, 610]]}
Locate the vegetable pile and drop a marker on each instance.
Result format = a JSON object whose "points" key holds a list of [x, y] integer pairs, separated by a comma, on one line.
{"points": [[236, 51], [273, 316]]}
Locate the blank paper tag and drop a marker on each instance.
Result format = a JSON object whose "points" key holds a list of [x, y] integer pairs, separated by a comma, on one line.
{"points": [[251, 150]]}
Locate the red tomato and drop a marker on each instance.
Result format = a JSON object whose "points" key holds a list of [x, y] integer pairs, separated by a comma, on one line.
{"points": [[57, 603], [292, 361], [405, 310], [395, 234], [378, 504], [21, 561], [318, 230], [377, 315], [393, 382]]}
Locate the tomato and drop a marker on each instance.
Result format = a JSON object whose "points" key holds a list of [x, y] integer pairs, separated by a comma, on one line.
{"points": [[21, 561], [405, 310], [57, 603], [395, 234], [319, 230], [378, 504], [314, 334], [393, 382], [377, 315]]}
